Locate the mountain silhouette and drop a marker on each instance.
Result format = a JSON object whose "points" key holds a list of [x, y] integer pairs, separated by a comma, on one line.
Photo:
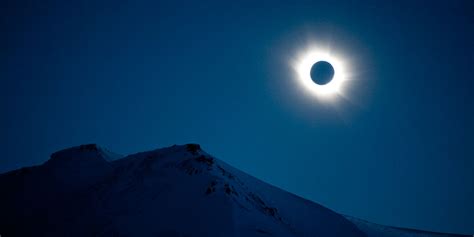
{"points": [[175, 191]]}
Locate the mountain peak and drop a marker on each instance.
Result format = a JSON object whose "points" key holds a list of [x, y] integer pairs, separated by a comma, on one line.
{"points": [[87, 154], [81, 148], [175, 191], [193, 147]]}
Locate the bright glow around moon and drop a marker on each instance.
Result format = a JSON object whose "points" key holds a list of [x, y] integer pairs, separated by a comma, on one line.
{"points": [[302, 66]]}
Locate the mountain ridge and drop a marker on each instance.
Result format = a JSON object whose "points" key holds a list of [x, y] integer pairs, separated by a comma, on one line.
{"points": [[174, 191]]}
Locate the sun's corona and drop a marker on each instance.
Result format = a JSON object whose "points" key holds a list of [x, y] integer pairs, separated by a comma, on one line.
{"points": [[303, 64]]}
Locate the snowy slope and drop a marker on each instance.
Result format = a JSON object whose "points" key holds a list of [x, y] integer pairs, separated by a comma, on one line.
{"points": [[375, 230], [174, 191]]}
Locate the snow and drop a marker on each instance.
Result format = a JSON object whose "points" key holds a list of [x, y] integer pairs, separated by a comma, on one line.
{"points": [[173, 191], [375, 230]]}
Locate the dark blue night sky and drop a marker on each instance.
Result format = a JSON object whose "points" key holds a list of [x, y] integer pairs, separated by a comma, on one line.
{"points": [[135, 76]]}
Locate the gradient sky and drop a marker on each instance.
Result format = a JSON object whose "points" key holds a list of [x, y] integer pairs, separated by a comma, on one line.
{"points": [[135, 75]]}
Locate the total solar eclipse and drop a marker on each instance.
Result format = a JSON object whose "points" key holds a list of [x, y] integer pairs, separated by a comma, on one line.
{"points": [[322, 72]]}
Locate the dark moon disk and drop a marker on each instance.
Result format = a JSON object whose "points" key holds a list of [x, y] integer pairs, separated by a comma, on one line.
{"points": [[322, 72]]}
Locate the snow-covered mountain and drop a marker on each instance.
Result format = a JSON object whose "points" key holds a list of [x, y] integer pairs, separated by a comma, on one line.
{"points": [[169, 192]]}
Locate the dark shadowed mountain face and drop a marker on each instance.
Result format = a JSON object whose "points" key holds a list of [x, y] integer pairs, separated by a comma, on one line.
{"points": [[175, 191]]}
